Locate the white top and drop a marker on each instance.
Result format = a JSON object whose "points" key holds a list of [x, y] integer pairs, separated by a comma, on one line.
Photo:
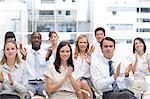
{"points": [[19, 74], [42, 64], [101, 77], [56, 77], [142, 65], [82, 67], [97, 49]]}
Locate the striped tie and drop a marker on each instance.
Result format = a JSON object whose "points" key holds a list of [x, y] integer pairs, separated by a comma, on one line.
{"points": [[111, 72]]}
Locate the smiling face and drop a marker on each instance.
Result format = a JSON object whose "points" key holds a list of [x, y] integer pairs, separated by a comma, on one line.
{"points": [[36, 40], [53, 39], [99, 35], [82, 44], [108, 49], [139, 46], [10, 50], [65, 53]]}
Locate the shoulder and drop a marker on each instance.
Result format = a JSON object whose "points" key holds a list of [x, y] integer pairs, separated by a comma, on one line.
{"points": [[22, 65]]}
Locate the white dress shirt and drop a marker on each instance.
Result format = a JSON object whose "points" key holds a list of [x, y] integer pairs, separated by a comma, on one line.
{"points": [[97, 49], [19, 76], [42, 64], [101, 77]]}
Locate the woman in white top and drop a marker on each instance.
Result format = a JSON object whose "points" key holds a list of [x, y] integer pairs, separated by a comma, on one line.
{"points": [[61, 80], [53, 38], [140, 63], [82, 59], [13, 76]]}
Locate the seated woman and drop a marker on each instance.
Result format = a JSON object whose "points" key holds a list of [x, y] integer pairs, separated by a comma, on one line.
{"points": [[140, 64], [61, 80], [82, 59], [13, 74], [51, 50]]}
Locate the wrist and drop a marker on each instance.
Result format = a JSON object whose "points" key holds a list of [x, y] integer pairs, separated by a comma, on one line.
{"points": [[115, 77]]}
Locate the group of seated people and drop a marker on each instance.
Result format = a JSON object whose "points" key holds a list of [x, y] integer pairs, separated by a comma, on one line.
{"points": [[63, 73]]}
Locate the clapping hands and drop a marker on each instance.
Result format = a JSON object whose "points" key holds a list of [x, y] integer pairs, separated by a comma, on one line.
{"points": [[127, 70], [69, 73]]}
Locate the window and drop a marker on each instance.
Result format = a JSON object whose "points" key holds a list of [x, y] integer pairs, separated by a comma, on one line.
{"points": [[68, 12], [120, 26], [46, 12], [145, 10], [59, 12], [143, 20], [137, 10], [113, 12], [143, 30], [47, 1]]}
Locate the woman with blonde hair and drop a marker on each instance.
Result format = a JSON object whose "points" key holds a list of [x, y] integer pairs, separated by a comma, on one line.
{"points": [[13, 75], [82, 59]]}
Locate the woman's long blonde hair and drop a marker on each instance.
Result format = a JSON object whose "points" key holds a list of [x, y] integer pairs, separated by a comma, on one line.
{"points": [[4, 59], [77, 51]]}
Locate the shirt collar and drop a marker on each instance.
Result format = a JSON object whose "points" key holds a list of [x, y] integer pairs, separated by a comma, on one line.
{"points": [[6, 66], [106, 60], [33, 51]]}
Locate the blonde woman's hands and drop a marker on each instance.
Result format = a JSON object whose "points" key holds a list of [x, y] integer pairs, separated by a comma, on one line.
{"points": [[88, 57], [92, 49], [10, 78]]}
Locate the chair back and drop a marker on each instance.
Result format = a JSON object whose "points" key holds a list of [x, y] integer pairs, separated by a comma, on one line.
{"points": [[9, 96]]}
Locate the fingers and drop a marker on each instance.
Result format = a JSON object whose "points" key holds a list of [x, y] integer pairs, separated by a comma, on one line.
{"points": [[92, 49], [25, 49], [20, 46], [119, 66]]}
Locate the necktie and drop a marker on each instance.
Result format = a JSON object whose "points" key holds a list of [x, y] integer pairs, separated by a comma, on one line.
{"points": [[111, 72], [37, 66]]}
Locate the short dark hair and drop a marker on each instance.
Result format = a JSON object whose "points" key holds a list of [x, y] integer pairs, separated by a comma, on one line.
{"points": [[141, 40], [34, 33], [99, 29], [108, 39], [52, 32], [8, 35]]}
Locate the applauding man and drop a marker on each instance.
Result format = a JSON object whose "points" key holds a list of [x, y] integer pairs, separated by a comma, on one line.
{"points": [[110, 77]]}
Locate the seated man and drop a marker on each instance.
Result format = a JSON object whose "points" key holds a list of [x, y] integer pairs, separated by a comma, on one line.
{"points": [[113, 85], [36, 65]]}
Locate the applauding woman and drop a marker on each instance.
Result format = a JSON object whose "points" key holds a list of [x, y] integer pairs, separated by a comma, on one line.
{"points": [[140, 63], [82, 59], [13, 76], [61, 80]]}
